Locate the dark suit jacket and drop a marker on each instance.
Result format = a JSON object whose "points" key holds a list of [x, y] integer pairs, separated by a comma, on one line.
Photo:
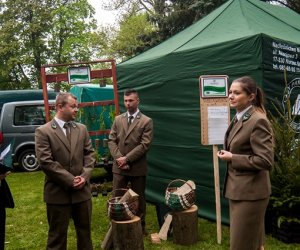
{"points": [[251, 143], [132, 142], [61, 163], [6, 199]]}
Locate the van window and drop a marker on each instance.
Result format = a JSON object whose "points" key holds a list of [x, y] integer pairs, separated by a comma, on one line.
{"points": [[29, 115]]}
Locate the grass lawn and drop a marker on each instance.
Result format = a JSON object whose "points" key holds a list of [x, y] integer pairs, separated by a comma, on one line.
{"points": [[26, 226]]}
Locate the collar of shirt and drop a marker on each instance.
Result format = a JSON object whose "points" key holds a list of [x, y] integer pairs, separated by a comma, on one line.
{"points": [[134, 115], [240, 114], [61, 124]]}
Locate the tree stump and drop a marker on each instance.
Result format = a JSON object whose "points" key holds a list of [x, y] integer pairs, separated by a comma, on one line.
{"points": [[128, 234], [185, 226]]}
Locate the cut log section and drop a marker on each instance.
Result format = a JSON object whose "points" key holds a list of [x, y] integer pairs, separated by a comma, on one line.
{"points": [[127, 235], [185, 226]]}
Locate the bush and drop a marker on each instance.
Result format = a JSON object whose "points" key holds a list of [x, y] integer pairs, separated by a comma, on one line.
{"points": [[285, 176]]}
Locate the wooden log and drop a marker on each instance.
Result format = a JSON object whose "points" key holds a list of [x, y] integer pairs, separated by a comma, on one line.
{"points": [[127, 235], [129, 195], [108, 241], [185, 188], [185, 226], [163, 233], [155, 238]]}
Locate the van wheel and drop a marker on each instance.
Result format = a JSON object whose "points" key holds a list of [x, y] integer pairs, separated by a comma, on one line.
{"points": [[28, 161]]}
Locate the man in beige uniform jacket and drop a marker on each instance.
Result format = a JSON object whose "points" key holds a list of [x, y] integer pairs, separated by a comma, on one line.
{"points": [[129, 141], [67, 164]]}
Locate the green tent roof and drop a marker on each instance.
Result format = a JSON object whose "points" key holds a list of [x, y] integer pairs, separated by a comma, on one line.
{"points": [[242, 37], [235, 19]]}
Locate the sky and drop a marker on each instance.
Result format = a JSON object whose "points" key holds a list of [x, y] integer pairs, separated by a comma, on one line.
{"points": [[102, 16]]}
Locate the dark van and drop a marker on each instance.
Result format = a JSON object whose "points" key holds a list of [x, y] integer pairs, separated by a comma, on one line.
{"points": [[18, 121], [23, 95]]}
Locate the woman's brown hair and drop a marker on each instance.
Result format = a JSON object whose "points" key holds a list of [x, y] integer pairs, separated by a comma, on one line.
{"points": [[249, 85]]}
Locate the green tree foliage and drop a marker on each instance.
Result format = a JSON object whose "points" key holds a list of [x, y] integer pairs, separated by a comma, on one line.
{"points": [[129, 40], [181, 14], [36, 32], [285, 175], [292, 4], [99, 43], [167, 17], [70, 32]]}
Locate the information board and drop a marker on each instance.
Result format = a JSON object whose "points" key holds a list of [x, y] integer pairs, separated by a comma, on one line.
{"points": [[214, 109], [215, 117], [81, 74]]}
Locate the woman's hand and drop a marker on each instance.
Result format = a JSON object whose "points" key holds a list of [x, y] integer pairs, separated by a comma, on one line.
{"points": [[224, 155]]}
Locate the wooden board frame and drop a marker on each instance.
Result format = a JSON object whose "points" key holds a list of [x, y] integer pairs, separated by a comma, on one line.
{"points": [[220, 102], [63, 77]]}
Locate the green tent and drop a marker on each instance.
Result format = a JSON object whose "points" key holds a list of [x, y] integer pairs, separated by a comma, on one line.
{"points": [[95, 117], [242, 37]]}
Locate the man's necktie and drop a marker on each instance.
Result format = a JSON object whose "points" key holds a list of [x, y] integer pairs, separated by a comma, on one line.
{"points": [[130, 118], [68, 131]]}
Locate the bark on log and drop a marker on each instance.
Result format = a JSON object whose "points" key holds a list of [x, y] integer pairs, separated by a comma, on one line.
{"points": [[127, 235], [107, 242], [185, 226]]}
